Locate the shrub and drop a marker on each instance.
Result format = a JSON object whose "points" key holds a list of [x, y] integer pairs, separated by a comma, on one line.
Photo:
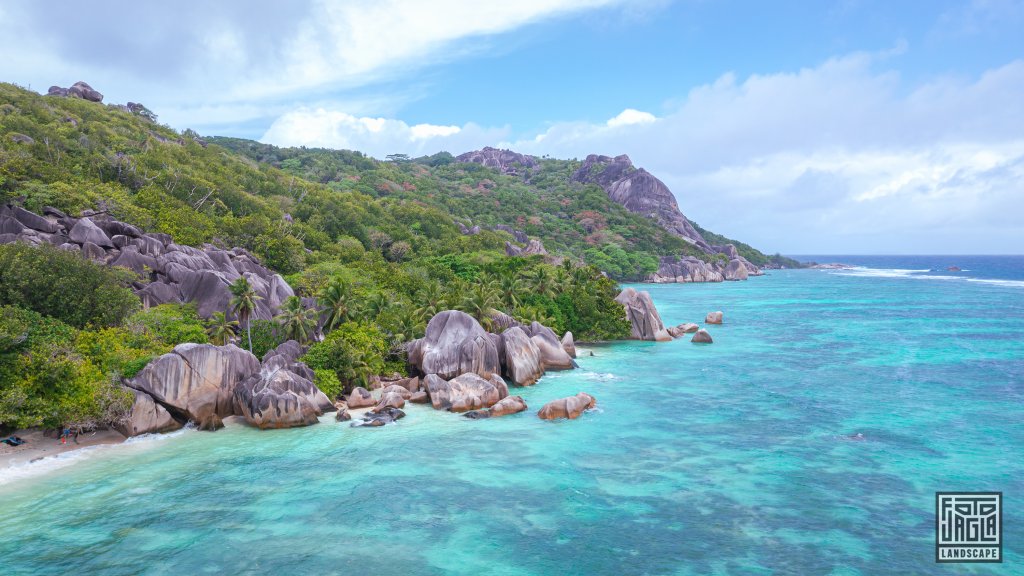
{"points": [[353, 351], [266, 335], [172, 324], [64, 285], [328, 383]]}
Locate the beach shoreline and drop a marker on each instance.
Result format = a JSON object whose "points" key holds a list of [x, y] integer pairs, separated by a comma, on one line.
{"points": [[37, 446]]}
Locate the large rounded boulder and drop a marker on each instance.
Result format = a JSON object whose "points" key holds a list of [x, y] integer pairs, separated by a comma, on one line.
{"points": [[643, 316], [282, 394], [196, 381], [280, 399], [552, 355], [521, 357], [146, 417], [701, 337], [454, 344]]}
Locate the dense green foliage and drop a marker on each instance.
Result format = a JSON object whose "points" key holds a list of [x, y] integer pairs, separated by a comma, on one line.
{"points": [[353, 352], [53, 374], [64, 285]]}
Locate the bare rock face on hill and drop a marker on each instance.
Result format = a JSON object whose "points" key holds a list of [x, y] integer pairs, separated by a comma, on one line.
{"points": [[77, 90], [640, 192], [532, 248], [686, 269], [168, 272], [505, 161]]}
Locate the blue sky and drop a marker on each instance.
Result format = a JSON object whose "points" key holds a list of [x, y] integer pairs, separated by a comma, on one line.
{"points": [[847, 126]]}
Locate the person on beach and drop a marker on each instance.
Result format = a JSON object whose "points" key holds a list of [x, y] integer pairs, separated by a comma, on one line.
{"points": [[65, 432], [78, 430]]}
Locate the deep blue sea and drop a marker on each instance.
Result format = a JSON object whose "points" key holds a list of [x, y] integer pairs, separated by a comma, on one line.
{"points": [[739, 457]]}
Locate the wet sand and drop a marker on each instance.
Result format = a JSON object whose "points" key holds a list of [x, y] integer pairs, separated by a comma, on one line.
{"points": [[38, 446]]}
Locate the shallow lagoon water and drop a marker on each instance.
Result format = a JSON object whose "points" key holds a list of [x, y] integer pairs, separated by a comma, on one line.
{"points": [[731, 458]]}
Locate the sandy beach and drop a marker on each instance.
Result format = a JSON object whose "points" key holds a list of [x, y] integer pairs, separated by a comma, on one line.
{"points": [[38, 446]]}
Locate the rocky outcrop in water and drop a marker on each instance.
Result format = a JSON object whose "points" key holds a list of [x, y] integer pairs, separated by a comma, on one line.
{"points": [[569, 408], [713, 317], [168, 272], [701, 337], [504, 407], [521, 359], [377, 419], [196, 381], [552, 355], [643, 316], [569, 344], [454, 344], [466, 392], [282, 394], [678, 331]]}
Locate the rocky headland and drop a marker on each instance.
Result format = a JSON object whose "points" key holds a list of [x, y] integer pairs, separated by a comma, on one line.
{"points": [[642, 193]]}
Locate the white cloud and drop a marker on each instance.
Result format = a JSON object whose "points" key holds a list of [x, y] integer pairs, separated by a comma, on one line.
{"points": [[254, 55], [631, 116], [377, 137]]}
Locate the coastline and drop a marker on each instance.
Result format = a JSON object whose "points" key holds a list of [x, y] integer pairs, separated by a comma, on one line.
{"points": [[38, 447]]}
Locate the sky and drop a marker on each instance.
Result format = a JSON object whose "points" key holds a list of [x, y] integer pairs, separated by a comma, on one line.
{"points": [[810, 127]]}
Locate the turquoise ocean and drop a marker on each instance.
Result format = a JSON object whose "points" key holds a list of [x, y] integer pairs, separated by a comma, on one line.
{"points": [[739, 457]]}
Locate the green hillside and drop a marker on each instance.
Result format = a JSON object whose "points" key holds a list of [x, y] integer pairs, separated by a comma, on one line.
{"points": [[373, 244]]}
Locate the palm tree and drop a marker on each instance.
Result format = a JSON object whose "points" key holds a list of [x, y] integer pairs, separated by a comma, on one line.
{"points": [[479, 303], [561, 279], [243, 303], [408, 328], [582, 275], [431, 299], [297, 321], [336, 300], [220, 329], [375, 305], [357, 371], [534, 314], [509, 288], [543, 282]]}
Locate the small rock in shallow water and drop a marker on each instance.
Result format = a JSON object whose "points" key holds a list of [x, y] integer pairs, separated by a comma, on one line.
{"points": [[385, 416], [713, 318], [342, 416], [570, 407], [701, 337]]}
